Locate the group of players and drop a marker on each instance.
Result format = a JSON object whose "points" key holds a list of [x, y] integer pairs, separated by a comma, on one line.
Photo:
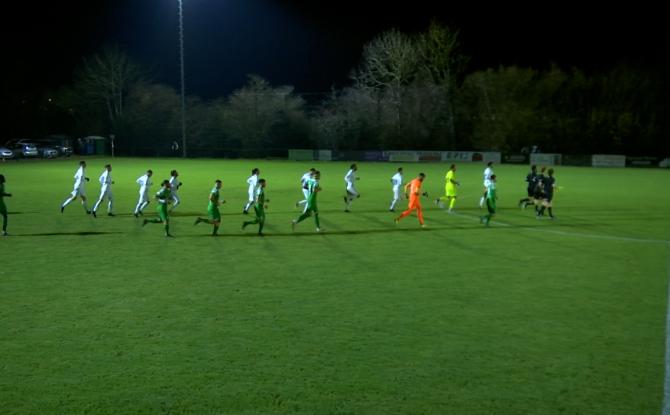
{"points": [[540, 189]]}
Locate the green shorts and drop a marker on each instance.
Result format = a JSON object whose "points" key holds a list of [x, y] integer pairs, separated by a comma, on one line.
{"points": [[163, 212], [312, 207], [214, 213], [491, 206], [260, 211]]}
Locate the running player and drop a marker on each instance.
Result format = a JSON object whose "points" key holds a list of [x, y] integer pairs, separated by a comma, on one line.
{"points": [[259, 208], [450, 189], [252, 181], [488, 172], [303, 185], [145, 183], [175, 184], [530, 188], [549, 183], [351, 192], [414, 188], [491, 197], [3, 208], [213, 208], [313, 187], [163, 197], [538, 191], [396, 181], [106, 183], [79, 190]]}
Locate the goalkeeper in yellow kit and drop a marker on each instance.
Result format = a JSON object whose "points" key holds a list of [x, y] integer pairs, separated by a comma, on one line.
{"points": [[450, 189]]}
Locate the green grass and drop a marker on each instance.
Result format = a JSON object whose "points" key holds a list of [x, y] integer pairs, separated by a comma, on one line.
{"points": [[525, 317]]}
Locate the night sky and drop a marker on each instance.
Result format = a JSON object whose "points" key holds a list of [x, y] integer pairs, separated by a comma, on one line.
{"points": [[312, 45]]}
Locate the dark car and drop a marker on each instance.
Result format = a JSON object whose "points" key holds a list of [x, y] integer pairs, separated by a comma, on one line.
{"points": [[23, 148]]}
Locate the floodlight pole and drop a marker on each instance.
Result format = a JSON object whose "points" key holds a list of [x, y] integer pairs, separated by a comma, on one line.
{"points": [[183, 97]]}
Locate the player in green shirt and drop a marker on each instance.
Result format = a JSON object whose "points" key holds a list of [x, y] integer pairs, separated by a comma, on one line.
{"points": [[491, 196], [3, 208], [259, 208], [313, 188], [163, 197], [213, 208]]}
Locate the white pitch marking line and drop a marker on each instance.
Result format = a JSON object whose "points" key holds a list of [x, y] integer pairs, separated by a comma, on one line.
{"points": [[573, 234]]}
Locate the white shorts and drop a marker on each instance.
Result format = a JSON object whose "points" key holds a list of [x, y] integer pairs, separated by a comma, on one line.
{"points": [[105, 190], [351, 189], [79, 191], [305, 192], [251, 196], [487, 183], [397, 194], [144, 196]]}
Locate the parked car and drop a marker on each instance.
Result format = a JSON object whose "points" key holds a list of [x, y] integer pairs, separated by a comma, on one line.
{"points": [[23, 148], [57, 144], [6, 153], [46, 152]]}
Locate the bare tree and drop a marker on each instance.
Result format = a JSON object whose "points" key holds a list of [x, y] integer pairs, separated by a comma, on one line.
{"points": [[106, 78], [253, 111], [441, 62], [389, 64]]}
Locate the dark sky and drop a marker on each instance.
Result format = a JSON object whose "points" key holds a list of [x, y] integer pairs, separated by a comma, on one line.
{"points": [[312, 45]]}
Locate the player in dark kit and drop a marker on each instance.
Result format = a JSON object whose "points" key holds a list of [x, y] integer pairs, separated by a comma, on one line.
{"points": [[538, 190], [3, 208], [530, 180], [549, 183]]}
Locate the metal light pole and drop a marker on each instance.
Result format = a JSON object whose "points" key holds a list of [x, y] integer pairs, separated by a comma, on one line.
{"points": [[183, 96]]}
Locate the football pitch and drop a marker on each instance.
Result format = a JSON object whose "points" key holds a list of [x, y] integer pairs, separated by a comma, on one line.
{"points": [[523, 317]]}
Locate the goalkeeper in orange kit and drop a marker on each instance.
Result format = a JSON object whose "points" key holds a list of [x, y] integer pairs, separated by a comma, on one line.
{"points": [[414, 188]]}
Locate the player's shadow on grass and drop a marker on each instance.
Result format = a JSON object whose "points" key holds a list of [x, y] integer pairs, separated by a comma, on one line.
{"points": [[85, 233], [325, 233]]}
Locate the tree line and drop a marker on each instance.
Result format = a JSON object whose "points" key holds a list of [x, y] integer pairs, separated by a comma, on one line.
{"points": [[410, 91]]}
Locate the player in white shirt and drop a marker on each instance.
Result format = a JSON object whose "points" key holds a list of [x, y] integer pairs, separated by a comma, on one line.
{"points": [[106, 183], [350, 179], [145, 183], [175, 184], [488, 172], [79, 190], [304, 187], [253, 184], [396, 181]]}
